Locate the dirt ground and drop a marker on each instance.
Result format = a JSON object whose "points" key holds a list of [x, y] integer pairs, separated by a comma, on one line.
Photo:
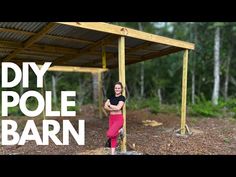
{"points": [[209, 136]]}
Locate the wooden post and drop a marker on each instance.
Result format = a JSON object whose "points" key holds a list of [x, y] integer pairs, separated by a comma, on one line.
{"points": [[121, 61], [184, 93], [100, 94], [104, 60]]}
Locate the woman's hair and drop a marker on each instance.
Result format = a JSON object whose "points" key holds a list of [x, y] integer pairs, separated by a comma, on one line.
{"points": [[119, 83]]}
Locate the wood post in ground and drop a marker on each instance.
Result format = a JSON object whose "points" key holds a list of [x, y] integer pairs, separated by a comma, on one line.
{"points": [[184, 93], [121, 62]]}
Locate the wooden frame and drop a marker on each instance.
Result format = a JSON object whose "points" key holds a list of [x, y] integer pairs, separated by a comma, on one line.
{"points": [[76, 69], [121, 62], [113, 32], [184, 93], [123, 31], [30, 41]]}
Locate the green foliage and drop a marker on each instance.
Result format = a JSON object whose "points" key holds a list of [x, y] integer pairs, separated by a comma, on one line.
{"points": [[164, 73], [234, 111], [169, 108], [151, 103], [231, 103], [14, 111], [231, 106], [205, 108]]}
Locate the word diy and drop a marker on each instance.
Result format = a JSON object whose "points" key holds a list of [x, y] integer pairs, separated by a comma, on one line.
{"points": [[24, 76]]}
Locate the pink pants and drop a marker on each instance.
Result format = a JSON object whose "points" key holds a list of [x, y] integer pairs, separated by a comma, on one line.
{"points": [[115, 124]]}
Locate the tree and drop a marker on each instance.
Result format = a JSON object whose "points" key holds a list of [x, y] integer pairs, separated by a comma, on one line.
{"points": [[216, 88], [55, 78], [140, 26], [230, 32]]}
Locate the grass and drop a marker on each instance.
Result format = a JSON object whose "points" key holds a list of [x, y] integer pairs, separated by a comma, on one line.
{"points": [[151, 103]]}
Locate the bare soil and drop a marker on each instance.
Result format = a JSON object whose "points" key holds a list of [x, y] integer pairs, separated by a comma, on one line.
{"points": [[210, 136]]}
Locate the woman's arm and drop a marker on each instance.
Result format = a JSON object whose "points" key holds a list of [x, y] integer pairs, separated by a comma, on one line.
{"points": [[106, 105], [117, 107]]}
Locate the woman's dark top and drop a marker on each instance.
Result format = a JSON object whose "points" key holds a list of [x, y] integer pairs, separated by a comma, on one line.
{"points": [[115, 100]]}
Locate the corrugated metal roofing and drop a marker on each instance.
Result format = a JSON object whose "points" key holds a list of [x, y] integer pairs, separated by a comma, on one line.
{"points": [[140, 52], [61, 43], [84, 59], [3, 55], [41, 53], [35, 57], [131, 42], [77, 33], [11, 36], [24, 26], [157, 47], [5, 50], [67, 41]]}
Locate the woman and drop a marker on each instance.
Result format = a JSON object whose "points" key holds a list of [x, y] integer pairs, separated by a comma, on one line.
{"points": [[114, 105]]}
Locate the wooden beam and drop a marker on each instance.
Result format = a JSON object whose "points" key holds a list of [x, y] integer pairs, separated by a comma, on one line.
{"points": [[133, 59], [44, 48], [121, 62], [69, 39], [69, 51], [123, 31], [184, 93], [30, 41], [75, 69], [104, 58]]}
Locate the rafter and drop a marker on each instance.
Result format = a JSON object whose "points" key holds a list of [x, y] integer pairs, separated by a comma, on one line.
{"points": [[51, 36]]}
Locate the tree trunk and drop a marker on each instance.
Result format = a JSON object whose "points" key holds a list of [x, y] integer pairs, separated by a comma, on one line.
{"points": [[95, 88], [142, 79], [233, 81], [193, 87], [127, 91], [54, 91], [194, 64], [227, 72], [216, 88], [140, 26], [21, 87], [159, 96]]}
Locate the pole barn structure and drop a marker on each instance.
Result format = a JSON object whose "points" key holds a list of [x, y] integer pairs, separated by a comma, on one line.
{"points": [[89, 47]]}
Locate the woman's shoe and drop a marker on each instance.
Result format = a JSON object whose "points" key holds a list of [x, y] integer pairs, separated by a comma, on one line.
{"points": [[108, 143], [121, 131]]}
